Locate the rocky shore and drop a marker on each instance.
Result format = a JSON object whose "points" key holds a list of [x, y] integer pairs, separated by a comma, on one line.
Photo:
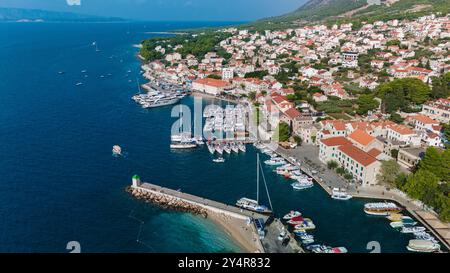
{"points": [[167, 202]]}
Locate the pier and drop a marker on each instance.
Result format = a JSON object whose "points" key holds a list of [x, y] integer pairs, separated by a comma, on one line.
{"points": [[238, 223]]}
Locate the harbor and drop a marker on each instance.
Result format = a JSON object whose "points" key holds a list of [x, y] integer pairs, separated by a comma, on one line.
{"points": [[241, 224]]}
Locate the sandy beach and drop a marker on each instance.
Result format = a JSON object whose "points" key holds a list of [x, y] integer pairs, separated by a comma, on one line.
{"points": [[244, 235]]}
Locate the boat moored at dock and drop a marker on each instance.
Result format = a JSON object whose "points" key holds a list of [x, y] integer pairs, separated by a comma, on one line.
{"points": [[381, 208], [423, 246], [340, 194]]}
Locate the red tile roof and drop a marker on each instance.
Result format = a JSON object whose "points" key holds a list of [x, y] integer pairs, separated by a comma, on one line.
{"points": [[336, 141], [358, 155], [292, 113], [212, 82], [361, 137]]}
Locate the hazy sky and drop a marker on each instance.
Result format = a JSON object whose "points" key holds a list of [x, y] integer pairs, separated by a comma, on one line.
{"points": [[211, 10]]}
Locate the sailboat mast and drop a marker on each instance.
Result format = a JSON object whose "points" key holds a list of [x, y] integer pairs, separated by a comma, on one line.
{"points": [[257, 178]]}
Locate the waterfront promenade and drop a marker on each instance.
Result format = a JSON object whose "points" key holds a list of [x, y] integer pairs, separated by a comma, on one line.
{"points": [[235, 221], [309, 162]]}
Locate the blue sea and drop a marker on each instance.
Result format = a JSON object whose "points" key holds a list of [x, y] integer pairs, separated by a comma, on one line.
{"points": [[60, 183]]}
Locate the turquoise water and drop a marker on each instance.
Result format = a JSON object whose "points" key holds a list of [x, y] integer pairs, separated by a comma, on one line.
{"points": [[59, 182]]}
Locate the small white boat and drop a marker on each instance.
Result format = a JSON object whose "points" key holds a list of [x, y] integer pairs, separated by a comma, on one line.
{"points": [[340, 194], [412, 229], [183, 145], [381, 208], [117, 150], [219, 160], [423, 246], [78, 84], [302, 185], [219, 149]]}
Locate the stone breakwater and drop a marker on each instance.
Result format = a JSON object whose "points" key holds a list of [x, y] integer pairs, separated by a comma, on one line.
{"points": [[167, 202]]}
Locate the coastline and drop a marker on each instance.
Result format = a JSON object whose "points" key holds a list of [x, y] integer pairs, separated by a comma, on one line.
{"points": [[238, 230]]}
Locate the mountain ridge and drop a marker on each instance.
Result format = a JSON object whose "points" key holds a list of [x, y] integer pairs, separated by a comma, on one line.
{"points": [[19, 14]]}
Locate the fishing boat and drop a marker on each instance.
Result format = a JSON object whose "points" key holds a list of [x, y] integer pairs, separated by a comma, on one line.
{"points": [[423, 246], [422, 235], [381, 208], [117, 150], [412, 229], [292, 214], [219, 160], [340, 194], [253, 205]]}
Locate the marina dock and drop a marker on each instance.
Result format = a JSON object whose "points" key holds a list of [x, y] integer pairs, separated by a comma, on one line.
{"points": [[428, 219], [239, 223]]}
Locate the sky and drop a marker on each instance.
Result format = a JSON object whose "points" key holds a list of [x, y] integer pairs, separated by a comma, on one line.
{"points": [[170, 10]]}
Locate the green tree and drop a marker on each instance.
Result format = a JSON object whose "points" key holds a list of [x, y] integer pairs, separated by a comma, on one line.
{"points": [[332, 164], [396, 118], [366, 102], [284, 131], [401, 93], [388, 172], [421, 182], [298, 140], [441, 86]]}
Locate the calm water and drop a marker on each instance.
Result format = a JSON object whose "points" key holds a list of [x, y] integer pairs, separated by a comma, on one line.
{"points": [[59, 182]]}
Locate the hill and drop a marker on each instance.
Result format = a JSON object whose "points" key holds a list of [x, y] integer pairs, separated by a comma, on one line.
{"points": [[14, 14], [354, 11]]}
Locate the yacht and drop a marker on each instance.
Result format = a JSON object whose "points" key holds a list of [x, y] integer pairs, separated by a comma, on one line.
{"points": [[219, 149], [227, 149], [296, 220], [340, 194], [235, 148], [423, 246], [253, 205], [381, 208], [241, 147], [211, 148], [183, 145]]}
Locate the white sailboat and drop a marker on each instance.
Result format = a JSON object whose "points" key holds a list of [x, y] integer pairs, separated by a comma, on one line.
{"points": [[253, 205]]}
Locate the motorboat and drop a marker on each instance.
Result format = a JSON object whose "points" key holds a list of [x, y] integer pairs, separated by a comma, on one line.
{"points": [[227, 148], [296, 220], [117, 150], [412, 229], [423, 246], [381, 208], [302, 185], [340, 194], [241, 147], [292, 214], [219, 160], [276, 161], [235, 148], [306, 224]]}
